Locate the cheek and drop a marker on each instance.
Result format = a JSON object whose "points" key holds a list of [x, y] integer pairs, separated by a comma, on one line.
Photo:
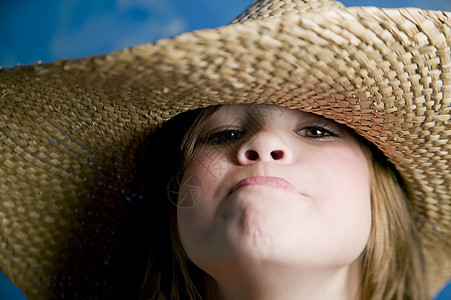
{"points": [[197, 200], [200, 178], [209, 165], [345, 200], [348, 179]]}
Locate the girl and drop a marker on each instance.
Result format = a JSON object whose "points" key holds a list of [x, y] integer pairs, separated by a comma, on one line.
{"points": [[281, 204], [275, 200]]}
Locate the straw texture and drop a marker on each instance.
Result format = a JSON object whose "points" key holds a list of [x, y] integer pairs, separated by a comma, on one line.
{"points": [[69, 131]]}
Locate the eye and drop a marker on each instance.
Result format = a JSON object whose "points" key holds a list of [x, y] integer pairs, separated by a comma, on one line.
{"points": [[225, 136], [316, 132]]}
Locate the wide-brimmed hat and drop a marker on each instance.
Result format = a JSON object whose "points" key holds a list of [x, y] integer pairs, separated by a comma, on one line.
{"points": [[70, 131]]}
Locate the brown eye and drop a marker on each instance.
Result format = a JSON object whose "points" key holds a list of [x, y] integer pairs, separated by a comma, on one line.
{"points": [[225, 136], [316, 132]]}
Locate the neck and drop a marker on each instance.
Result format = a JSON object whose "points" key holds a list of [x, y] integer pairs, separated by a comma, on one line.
{"points": [[282, 283]]}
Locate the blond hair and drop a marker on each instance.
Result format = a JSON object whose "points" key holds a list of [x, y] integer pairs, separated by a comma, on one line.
{"points": [[393, 266], [393, 262]]}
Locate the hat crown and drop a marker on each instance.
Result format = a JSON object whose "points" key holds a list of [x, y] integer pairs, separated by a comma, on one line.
{"points": [[262, 9]]}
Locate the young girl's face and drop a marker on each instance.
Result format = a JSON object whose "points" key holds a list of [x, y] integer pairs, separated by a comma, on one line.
{"points": [[274, 185]]}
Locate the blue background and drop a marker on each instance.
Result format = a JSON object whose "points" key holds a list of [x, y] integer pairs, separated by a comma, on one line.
{"points": [[33, 30]]}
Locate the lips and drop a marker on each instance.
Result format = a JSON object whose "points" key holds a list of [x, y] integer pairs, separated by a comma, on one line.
{"points": [[276, 182]]}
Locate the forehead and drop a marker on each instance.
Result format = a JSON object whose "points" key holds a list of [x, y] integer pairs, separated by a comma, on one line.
{"points": [[244, 112]]}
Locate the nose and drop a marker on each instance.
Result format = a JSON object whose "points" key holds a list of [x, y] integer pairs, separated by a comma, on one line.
{"points": [[264, 146]]}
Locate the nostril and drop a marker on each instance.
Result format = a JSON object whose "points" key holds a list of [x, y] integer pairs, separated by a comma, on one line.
{"points": [[276, 154], [251, 155]]}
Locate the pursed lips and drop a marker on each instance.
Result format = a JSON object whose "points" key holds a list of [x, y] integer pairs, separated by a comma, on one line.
{"points": [[268, 181]]}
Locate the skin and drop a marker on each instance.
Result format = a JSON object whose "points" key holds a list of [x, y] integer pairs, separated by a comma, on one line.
{"points": [[282, 206]]}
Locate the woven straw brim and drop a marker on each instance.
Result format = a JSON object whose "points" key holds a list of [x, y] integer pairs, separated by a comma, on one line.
{"points": [[69, 130]]}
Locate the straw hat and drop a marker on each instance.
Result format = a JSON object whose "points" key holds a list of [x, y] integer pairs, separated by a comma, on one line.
{"points": [[70, 131]]}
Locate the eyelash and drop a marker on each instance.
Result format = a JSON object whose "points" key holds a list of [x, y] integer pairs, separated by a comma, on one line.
{"points": [[229, 136], [322, 134]]}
